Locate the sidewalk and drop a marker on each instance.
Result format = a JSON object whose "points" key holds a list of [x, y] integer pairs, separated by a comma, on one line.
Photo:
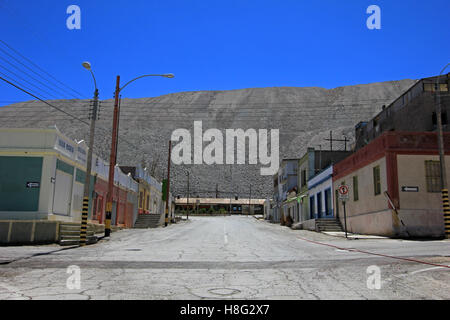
{"points": [[354, 236]]}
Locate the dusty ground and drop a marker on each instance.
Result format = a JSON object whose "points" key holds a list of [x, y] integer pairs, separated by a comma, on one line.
{"points": [[227, 258]]}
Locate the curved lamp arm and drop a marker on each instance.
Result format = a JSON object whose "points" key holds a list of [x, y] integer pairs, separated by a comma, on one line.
{"points": [[168, 75], [87, 66], [95, 82]]}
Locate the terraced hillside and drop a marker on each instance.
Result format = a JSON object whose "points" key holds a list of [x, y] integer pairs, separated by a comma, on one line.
{"points": [[304, 117]]}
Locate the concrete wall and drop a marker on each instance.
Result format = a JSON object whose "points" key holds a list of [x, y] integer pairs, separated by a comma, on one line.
{"points": [[133, 198], [19, 232], [420, 211], [370, 214], [309, 225]]}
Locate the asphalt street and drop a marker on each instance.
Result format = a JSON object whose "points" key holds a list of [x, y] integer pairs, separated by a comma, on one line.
{"points": [[231, 257]]}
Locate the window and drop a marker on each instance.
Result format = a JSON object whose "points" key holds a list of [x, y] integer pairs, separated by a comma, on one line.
{"points": [[319, 204], [433, 176], [311, 207], [141, 196], [147, 204], [443, 118], [376, 180], [430, 87], [355, 189], [328, 201], [303, 178]]}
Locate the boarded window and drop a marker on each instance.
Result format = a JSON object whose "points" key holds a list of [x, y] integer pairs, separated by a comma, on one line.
{"points": [[67, 168], [303, 178], [80, 176], [433, 176], [376, 180], [355, 189]]}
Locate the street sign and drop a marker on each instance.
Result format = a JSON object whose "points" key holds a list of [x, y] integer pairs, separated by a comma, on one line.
{"points": [[410, 189], [343, 193], [343, 189], [32, 184]]}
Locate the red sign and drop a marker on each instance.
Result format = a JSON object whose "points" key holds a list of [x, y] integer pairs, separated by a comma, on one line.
{"points": [[343, 190]]}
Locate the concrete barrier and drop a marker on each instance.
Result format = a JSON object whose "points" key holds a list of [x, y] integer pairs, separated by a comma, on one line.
{"points": [[20, 232], [309, 225]]}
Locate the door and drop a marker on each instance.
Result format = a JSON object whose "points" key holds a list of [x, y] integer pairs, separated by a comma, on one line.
{"points": [[63, 193], [319, 205], [121, 213], [336, 207], [114, 213]]}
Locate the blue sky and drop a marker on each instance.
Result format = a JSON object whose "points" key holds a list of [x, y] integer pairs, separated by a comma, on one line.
{"points": [[221, 45]]}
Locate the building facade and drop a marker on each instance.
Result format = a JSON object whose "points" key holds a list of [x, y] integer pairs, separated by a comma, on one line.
{"points": [[288, 185], [394, 186], [414, 110], [310, 165], [320, 193], [42, 175]]}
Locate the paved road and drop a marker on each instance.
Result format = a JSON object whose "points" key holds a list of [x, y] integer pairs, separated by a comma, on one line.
{"points": [[228, 258]]}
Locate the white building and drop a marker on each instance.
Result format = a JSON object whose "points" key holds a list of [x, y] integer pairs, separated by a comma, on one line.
{"points": [[320, 188]]}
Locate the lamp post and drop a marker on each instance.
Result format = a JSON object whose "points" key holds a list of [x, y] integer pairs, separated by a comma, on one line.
{"points": [[112, 158], [187, 212], [445, 200], [87, 182]]}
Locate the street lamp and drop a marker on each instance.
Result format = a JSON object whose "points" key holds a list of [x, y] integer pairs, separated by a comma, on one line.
{"points": [[187, 212], [443, 170], [112, 158], [87, 182]]}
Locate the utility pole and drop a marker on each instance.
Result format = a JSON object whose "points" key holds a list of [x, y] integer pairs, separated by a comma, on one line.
{"points": [[113, 155], [118, 127], [231, 193], [187, 214], [320, 157], [345, 219], [112, 160], [445, 199], [331, 141], [345, 140], [166, 222], [250, 200], [87, 181]]}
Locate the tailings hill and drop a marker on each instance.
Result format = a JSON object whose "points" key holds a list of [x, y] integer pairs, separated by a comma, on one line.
{"points": [[304, 117]]}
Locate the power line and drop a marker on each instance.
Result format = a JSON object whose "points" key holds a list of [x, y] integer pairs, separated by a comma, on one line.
{"points": [[27, 74], [65, 112], [17, 76], [26, 87], [38, 74], [29, 93], [38, 67]]}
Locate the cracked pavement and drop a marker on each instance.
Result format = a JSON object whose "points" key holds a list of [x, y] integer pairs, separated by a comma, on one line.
{"points": [[232, 257]]}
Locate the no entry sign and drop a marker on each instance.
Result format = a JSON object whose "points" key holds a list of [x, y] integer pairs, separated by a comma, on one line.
{"points": [[343, 193]]}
